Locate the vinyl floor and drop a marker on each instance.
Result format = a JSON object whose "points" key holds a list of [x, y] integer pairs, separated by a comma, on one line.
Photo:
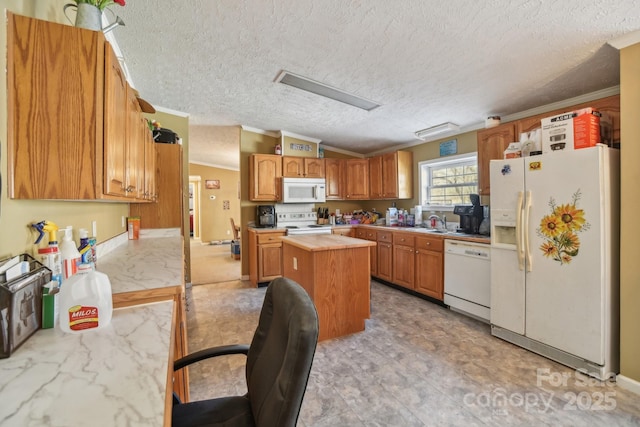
{"points": [[416, 364]]}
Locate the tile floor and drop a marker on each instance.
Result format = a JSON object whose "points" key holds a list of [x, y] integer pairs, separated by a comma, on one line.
{"points": [[416, 364]]}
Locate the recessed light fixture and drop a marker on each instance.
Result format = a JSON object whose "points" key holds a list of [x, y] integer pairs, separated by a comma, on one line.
{"points": [[425, 134], [304, 83]]}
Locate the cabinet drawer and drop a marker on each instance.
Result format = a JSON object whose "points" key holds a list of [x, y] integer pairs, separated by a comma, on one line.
{"points": [[404, 239], [370, 234], [385, 236], [269, 238], [430, 243], [361, 233], [342, 231]]}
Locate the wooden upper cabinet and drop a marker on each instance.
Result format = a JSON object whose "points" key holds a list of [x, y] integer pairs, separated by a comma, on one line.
{"points": [[265, 173], [334, 178], [302, 167], [151, 158], [391, 176], [135, 147], [491, 145], [609, 105], [70, 132], [357, 179], [313, 168], [115, 132], [292, 166], [375, 177], [54, 95], [397, 171], [167, 211]]}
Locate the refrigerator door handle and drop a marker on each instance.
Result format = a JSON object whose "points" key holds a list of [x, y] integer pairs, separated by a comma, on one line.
{"points": [[527, 213], [519, 246]]}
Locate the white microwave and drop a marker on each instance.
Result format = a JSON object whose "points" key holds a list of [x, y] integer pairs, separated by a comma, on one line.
{"points": [[303, 190]]}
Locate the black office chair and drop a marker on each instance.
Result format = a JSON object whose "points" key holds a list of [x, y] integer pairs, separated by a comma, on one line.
{"points": [[278, 366]]}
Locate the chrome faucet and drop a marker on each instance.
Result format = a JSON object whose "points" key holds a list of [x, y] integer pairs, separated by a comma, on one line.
{"points": [[442, 220]]}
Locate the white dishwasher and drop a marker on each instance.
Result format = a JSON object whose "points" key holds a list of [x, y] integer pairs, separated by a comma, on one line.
{"points": [[467, 278]]}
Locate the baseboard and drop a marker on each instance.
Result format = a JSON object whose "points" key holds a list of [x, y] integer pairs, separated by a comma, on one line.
{"points": [[245, 277], [628, 384]]}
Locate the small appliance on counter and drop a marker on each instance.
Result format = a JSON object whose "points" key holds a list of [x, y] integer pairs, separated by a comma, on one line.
{"points": [[266, 216], [471, 216]]}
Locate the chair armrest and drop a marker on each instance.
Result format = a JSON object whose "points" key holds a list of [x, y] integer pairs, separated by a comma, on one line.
{"points": [[208, 353]]}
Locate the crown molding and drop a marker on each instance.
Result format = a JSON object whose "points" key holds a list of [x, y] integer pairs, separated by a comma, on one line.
{"points": [[342, 151], [261, 131], [298, 136], [211, 165], [626, 40]]}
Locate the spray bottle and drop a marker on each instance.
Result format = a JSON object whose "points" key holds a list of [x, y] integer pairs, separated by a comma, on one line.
{"points": [[50, 256], [85, 248], [70, 254]]}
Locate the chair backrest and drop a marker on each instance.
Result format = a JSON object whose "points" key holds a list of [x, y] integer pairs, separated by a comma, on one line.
{"points": [[281, 354], [235, 229]]}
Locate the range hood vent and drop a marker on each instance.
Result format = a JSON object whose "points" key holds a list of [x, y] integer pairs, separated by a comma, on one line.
{"points": [[304, 83]]}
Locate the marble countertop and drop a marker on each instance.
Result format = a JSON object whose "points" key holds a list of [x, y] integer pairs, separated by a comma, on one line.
{"points": [[114, 376], [326, 242], [154, 261], [429, 232]]}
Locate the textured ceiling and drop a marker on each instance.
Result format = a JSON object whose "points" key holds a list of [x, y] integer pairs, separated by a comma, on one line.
{"points": [[427, 62]]}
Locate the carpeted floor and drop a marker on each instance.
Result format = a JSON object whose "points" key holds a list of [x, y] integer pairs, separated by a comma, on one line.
{"points": [[213, 264]]}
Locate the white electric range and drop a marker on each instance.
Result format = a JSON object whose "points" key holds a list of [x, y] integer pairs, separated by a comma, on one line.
{"points": [[299, 219]]}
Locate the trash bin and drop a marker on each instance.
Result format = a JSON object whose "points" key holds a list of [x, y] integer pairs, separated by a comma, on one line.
{"points": [[235, 249]]}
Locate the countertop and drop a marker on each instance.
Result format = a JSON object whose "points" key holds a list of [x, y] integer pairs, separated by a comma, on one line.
{"points": [[421, 230], [148, 263], [427, 231], [326, 242], [113, 376]]}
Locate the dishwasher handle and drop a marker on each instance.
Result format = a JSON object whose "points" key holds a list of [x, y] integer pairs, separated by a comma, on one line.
{"points": [[473, 251]]}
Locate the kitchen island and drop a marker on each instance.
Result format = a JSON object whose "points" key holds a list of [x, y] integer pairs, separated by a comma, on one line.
{"points": [[334, 270]]}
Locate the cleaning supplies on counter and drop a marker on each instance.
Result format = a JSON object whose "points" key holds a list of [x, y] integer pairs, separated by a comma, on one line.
{"points": [[50, 256], [50, 304], [85, 301], [70, 254], [85, 249]]}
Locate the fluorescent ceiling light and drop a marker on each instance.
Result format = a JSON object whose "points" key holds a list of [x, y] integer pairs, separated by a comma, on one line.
{"points": [[304, 83], [425, 134]]}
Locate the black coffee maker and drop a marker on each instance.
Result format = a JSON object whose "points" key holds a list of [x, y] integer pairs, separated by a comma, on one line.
{"points": [[266, 216], [470, 215]]}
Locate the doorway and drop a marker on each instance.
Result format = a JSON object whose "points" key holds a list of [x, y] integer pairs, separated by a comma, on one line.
{"points": [[194, 207]]}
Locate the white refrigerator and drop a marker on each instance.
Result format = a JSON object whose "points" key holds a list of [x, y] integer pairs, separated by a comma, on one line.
{"points": [[554, 256]]}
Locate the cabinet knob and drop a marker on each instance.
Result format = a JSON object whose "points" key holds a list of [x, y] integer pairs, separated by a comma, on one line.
{"points": [[428, 243], [417, 252]]}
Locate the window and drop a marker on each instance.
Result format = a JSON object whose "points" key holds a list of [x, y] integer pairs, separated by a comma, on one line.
{"points": [[448, 182]]}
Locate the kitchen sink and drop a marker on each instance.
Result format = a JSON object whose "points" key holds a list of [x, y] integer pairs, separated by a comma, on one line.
{"points": [[434, 230]]}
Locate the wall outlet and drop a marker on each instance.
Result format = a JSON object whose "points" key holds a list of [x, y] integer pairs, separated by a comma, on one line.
{"points": [[228, 232], [123, 221]]}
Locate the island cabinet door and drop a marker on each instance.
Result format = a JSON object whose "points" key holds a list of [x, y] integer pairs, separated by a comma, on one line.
{"points": [[270, 262]]}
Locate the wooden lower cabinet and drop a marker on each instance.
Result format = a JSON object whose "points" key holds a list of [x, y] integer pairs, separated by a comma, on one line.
{"points": [[429, 262], [265, 255], [368, 234], [346, 231], [403, 260], [385, 261]]}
